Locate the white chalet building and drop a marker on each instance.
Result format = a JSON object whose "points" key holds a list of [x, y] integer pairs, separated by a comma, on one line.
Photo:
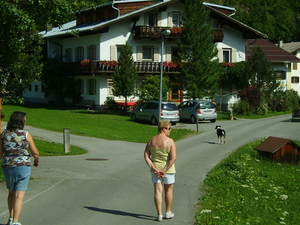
{"points": [[103, 31]]}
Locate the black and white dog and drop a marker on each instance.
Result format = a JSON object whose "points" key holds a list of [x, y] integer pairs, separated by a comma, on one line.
{"points": [[221, 134]]}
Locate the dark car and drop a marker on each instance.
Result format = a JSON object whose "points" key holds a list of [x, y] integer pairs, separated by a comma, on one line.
{"points": [[148, 112], [198, 109]]}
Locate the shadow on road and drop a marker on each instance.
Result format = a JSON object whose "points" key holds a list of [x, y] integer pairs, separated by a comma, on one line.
{"points": [[121, 213]]}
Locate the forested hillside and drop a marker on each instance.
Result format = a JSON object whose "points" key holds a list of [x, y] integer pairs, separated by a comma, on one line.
{"points": [[279, 19]]}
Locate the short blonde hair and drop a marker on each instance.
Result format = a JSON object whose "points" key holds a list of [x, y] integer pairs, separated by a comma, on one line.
{"points": [[163, 124]]}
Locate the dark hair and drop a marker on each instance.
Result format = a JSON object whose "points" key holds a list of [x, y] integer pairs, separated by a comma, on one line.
{"points": [[16, 121]]}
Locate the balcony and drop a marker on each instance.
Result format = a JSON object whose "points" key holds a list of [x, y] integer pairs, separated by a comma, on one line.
{"points": [[155, 33], [94, 67]]}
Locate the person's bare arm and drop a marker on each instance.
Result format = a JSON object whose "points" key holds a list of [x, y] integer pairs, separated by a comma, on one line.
{"points": [[172, 156], [33, 149], [148, 160]]}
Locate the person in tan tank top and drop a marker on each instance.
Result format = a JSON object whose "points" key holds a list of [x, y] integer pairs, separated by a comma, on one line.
{"points": [[160, 156]]}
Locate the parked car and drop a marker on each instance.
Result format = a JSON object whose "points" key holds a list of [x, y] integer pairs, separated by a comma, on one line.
{"points": [[201, 109], [148, 112]]}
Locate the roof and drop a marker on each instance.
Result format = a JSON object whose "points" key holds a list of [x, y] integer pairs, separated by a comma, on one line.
{"points": [[67, 28], [272, 51], [273, 144], [291, 47]]}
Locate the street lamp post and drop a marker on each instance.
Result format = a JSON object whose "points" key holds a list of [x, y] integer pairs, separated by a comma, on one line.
{"points": [[163, 33]]}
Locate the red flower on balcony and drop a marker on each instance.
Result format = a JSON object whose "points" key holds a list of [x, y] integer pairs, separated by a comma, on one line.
{"points": [[175, 30], [226, 64], [85, 62], [109, 63], [170, 64]]}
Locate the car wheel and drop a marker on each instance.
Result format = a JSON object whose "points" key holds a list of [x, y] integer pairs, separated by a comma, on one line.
{"points": [[213, 121], [133, 118], [193, 119], [153, 120]]}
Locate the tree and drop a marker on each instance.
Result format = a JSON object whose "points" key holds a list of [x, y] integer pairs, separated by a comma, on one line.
{"points": [[20, 43], [148, 89], [261, 73], [125, 75], [197, 52]]}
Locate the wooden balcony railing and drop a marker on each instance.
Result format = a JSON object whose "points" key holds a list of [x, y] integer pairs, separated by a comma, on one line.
{"points": [[153, 32], [94, 67]]}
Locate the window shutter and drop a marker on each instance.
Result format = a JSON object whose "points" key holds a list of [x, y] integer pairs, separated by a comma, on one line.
{"points": [[113, 52], [233, 55], [146, 19], [168, 54], [170, 21], [156, 53], [159, 19], [139, 54], [220, 55]]}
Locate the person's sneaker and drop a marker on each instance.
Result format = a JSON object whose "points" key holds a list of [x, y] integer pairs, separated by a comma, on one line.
{"points": [[10, 221], [18, 223], [159, 218], [169, 215]]}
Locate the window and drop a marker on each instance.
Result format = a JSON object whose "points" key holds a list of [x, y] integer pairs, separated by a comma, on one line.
{"points": [[79, 54], [280, 74], [91, 52], [175, 19], [91, 86], [110, 86], [152, 19], [226, 55], [68, 55], [36, 88], [80, 86], [295, 66], [174, 53], [295, 80], [119, 50], [30, 88], [147, 53]]}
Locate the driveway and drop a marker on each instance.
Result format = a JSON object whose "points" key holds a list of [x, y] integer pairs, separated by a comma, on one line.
{"points": [[111, 183]]}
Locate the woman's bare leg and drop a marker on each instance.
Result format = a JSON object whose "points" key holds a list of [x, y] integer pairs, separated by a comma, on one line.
{"points": [[158, 197]]}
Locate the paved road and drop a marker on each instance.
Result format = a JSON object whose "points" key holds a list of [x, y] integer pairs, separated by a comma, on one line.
{"points": [[116, 189]]}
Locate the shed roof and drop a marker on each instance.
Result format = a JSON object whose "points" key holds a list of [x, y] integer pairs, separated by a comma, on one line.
{"points": [[273, 144], [291, 47], [272, 51]]}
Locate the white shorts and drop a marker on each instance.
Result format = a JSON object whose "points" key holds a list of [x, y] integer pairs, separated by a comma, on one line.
{"points": [[169, 178]]}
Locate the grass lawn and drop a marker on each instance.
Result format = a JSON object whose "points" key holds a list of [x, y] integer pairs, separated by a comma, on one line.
{"points": [[89, 123], [246, 189]]}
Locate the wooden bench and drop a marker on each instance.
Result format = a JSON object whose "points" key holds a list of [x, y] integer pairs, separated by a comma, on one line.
{"points": [[88, 104]]}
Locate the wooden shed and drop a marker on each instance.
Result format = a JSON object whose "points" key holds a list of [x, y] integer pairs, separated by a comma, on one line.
{"points": [[280, 150]]}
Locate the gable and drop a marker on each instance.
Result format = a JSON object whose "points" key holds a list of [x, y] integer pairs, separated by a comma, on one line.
{"points": [[272, 51]]}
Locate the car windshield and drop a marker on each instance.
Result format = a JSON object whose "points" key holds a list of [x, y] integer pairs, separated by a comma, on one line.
{"points": [[206, 105], [169, 106]]}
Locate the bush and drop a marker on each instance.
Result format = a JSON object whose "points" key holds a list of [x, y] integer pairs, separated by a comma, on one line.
{"points": [[111, 106], [242, 107]]}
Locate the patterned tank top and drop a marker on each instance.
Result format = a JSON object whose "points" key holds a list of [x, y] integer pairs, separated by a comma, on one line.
{"points": [[15, 146]]}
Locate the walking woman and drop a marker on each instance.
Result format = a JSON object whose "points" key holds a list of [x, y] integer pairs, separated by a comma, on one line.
{"points": [[16, 148], [160, 156]]}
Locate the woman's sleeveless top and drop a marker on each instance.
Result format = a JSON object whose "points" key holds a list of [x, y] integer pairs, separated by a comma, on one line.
{"points": [[15, 146], [160, 157]]}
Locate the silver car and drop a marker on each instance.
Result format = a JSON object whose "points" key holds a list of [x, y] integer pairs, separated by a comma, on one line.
{"points": [[198, 109], [148, 112]]}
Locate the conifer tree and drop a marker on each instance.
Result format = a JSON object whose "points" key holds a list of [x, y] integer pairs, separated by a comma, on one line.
{"points": [[197, 52], [261, 73], [125, 75]]}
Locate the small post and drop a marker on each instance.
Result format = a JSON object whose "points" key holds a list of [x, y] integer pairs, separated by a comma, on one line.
{"points": [[66, 132], [197, 125]]}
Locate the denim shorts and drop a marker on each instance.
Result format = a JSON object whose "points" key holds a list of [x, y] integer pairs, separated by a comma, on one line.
{"points": [[17, 178], [169, 178]]}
